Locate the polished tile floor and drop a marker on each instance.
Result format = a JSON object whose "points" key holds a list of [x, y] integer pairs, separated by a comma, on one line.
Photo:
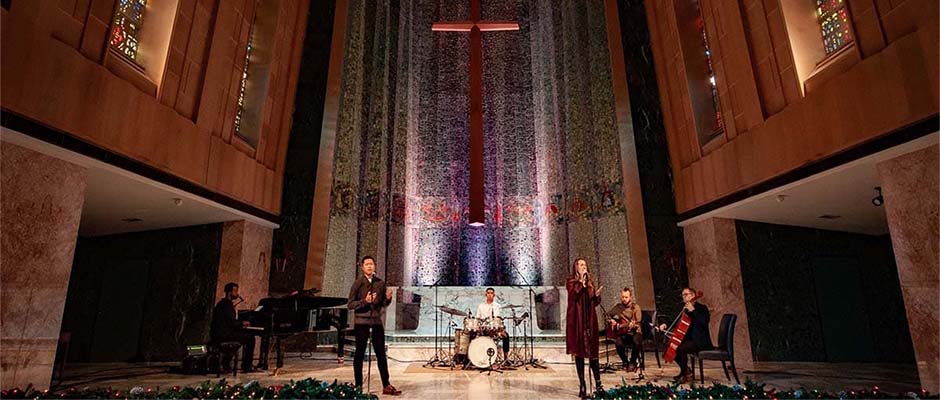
{"points": [[559, 380]]}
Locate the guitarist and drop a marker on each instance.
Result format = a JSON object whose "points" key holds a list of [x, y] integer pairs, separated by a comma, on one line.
{"points": [[697, 337], [624, 320]]}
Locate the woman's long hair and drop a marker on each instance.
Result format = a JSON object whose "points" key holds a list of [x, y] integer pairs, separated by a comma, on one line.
{"points": [[574, 271]]}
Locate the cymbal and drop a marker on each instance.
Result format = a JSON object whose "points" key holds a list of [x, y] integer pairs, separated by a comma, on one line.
{"points": [[452, 311], [513, 306], [519, 318]]}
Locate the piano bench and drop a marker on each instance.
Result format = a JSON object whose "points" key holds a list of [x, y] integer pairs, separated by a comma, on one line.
{"points": [[219, 351]]}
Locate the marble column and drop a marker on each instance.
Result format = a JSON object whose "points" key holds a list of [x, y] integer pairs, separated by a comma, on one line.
{"points": [[245, 259], [41, 209], [711, 248], [910, 186]]}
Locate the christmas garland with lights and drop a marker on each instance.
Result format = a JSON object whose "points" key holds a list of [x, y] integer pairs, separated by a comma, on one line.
{"points": [[304, 389], [315, 389], [750, 390]]}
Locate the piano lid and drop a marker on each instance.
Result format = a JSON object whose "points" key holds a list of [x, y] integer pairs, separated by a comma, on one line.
{"points": [[303, 299]]}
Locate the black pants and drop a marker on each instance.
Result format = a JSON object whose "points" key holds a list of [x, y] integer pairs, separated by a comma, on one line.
{"points": [[595, 368], [636, 348], [682, 354], [378, 347], [506, 346]]}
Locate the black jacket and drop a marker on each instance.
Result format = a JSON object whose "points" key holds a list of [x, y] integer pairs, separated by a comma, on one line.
{"points": [[366, 313], [698, 330], [225, 321]]}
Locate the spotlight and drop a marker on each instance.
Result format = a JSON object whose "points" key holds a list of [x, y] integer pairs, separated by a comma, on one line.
{"points": [[878, 200]]}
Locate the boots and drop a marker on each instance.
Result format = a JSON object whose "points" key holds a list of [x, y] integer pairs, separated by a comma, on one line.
{"points": [[579, 366], [598, 387]]}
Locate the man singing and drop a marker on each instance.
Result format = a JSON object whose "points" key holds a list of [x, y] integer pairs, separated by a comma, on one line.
{"points": [[367, 301], [625, 317], [226, 327]]}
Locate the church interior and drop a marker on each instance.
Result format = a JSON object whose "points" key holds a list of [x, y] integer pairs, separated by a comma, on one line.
{"points": [[470, 199]]}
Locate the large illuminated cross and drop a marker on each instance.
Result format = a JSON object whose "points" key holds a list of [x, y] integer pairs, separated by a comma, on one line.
{"points": [[476, 27]]}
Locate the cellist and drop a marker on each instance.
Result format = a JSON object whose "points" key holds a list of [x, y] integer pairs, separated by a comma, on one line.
{"points": [[697, 337]]}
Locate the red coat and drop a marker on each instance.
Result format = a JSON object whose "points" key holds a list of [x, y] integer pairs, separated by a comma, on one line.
{"points": [[580, 321]]}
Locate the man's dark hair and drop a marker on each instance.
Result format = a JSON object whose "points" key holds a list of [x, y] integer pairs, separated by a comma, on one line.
{"points": [[627, 289], [491, 289], [229, 287], [366, 258]]}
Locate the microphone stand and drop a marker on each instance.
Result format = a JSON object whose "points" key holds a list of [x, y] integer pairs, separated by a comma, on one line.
{"points": [[369, 341], [436, 358], [587, 335], [606, 367], [531, 334]]}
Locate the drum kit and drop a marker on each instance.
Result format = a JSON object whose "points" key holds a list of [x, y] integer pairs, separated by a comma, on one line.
{"points": [[475, 343]]}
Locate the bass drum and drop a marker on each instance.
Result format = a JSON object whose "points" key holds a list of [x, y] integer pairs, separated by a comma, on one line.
{"points": [[461, 342], [482, 352]]}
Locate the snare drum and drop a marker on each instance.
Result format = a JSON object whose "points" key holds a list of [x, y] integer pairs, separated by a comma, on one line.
{"points": [[493, 326], [471, 325]]}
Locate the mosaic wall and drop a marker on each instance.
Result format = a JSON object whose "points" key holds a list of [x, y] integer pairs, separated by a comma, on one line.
{"points": [[552, 157]]}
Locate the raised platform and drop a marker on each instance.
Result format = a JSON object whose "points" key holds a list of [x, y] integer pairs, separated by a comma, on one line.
{"points": [[559, 381]]}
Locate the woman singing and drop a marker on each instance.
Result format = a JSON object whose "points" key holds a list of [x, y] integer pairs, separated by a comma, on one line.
{"points": [[581, 331]]}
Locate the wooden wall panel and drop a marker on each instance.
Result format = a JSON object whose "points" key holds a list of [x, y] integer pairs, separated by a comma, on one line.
{"points": [[775, 129], [54, 76], [672, 82], [737, 90]]}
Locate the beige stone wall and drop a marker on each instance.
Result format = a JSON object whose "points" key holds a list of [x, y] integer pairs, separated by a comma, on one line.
{"points": [[911, 188], [40, 212], [715, 268], [245, 259]]}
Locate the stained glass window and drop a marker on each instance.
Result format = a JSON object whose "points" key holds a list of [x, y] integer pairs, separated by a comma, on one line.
{"points": [[128, 19], [242, 84], [833, 20], [710, 73]]}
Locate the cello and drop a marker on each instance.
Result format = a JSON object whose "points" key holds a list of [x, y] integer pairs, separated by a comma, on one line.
{"points": [[677, 331]]}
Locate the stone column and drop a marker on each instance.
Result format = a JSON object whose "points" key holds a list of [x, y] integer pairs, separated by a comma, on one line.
{"points": [[40, 211], [245, 259], [711, 248], [910, 186]]}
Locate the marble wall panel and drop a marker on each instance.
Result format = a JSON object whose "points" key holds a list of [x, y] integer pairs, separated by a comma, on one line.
{"points": [[41, 207], [910, 184]]}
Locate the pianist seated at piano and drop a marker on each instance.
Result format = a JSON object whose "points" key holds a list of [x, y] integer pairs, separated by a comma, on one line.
{"points": [[227, 328]]}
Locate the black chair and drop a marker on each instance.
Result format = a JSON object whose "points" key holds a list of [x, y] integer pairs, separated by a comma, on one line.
{"points": [[650, 336], [724, 352], [220, 351]]}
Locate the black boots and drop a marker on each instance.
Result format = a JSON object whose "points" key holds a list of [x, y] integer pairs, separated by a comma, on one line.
{"points": [[581, 392]]}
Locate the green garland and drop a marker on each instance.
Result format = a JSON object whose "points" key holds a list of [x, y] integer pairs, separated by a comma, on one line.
{"points": [[305, 389], [315, 389], [750, 390]]}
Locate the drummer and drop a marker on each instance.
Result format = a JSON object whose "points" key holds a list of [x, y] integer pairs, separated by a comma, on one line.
{"points": [[490, 309]]}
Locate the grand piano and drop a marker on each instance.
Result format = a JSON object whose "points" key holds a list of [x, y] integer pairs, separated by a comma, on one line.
{"points": [[297, 313]]}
